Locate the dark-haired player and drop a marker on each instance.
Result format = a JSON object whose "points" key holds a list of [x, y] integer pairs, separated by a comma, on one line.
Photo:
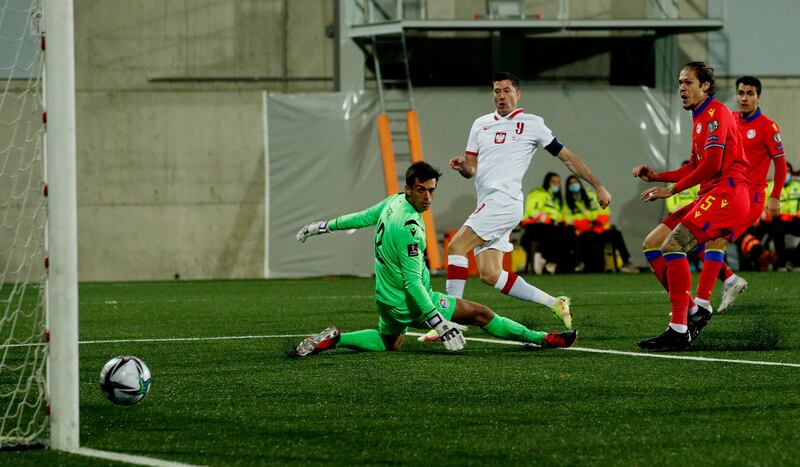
{"points": [[403, 293]]}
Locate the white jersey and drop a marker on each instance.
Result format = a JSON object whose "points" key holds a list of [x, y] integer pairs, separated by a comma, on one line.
{"points": [[504, 147]]}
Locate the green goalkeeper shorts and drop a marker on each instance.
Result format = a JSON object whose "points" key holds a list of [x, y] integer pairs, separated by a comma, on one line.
{"points": [[395, 321]]}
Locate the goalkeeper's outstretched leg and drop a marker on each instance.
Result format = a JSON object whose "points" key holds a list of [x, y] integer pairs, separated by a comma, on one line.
{"points": [[449, 322]]}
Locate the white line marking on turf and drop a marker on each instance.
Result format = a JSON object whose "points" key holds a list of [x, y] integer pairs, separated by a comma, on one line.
{"points": [[192, 339], [131, 459], [416, 334], [167, 339], [633, 354]]}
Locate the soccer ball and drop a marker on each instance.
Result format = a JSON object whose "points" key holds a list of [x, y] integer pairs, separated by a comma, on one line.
{"points": [[125, 380]]}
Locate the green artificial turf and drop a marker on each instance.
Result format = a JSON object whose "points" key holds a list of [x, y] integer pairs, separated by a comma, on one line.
{"points": [[244, 402]]}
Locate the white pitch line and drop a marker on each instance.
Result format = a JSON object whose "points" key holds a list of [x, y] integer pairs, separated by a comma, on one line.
{"points": [[129, 458], [166, 339], [634, 354], [192, 339], [416, 334]]}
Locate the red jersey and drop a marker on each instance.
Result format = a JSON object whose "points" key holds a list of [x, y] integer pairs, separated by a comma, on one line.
{"points": [[714, 126], [761, 139]]}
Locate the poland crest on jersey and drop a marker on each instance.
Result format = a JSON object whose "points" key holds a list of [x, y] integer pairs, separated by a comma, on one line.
{"points": [[500, 137]]}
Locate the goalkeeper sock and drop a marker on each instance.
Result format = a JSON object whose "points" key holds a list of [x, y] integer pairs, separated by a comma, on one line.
{"points": [[457, 273], [367, 340], [515, 286], [680, 285], [712, 263], [505, 328]]}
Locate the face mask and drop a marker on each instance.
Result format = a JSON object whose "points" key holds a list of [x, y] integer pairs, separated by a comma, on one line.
{"points": [[555, 189], [575, 187], [788, 179]]}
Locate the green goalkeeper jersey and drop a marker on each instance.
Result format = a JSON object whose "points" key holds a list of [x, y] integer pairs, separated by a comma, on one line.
{"points": [[401, 278]]}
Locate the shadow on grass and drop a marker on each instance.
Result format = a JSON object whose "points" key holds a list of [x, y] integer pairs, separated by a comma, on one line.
{"points": [[759, 333]]}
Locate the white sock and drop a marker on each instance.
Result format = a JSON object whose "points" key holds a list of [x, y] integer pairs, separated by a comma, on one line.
{"points": [[729, 281], [681, 328], [457, 272], [515, 286], [693, 309], [703, 303]]}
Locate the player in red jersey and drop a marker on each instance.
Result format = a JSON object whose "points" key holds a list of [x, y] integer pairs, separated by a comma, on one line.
{"points": [[761, 139], [719, 165]]}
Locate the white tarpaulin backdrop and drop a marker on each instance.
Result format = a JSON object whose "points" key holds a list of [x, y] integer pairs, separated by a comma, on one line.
{"points": [[324, 160]]}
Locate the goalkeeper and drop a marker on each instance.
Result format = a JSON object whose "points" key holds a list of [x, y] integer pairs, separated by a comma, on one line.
{"points": [[402, 281]]}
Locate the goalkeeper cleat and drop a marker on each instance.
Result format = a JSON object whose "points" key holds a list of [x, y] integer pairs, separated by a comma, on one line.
{"points": [[667, 340], [325, 340], [561, 311], [730, 293], [431, 336], [560, 339], [698, 321]]}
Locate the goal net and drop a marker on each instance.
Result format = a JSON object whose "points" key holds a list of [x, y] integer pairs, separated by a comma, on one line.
{"points": [[23, 401]]}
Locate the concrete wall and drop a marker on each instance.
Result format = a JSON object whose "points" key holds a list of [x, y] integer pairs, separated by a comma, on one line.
{"points": [[171, 172]]}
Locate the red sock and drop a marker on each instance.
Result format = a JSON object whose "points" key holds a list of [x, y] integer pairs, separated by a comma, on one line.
{"points": [[656, 261], [725, 272], [714, 259], [679, 278]]}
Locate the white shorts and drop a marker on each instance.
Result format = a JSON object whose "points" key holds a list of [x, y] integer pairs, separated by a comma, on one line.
{"points": [[494, 219]]}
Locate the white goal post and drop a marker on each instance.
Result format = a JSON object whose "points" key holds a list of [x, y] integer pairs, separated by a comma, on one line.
{"points": [[38, 227], [62, 225]]}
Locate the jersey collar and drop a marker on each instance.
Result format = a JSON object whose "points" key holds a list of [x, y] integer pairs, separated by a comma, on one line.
{"points": [[702, 107], [755, 115], [509, 116]]}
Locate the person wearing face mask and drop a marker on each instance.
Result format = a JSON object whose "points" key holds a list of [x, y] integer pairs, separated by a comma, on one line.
{"points": [[593, 227], [787, 221], [547, 241]]}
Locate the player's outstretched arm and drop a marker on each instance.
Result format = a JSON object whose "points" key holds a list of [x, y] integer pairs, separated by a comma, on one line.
{"points": [[357, 220], [576, 165], [314, 228], [645, 172], [466, 165]]}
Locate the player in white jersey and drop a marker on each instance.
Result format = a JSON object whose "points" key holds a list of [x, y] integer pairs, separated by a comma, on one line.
{"points": [[499, 151]]}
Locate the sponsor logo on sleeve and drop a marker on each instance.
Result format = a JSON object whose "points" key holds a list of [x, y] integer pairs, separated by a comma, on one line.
{"points": [[777, 137], [413, 249], [444, 303], [500, 137], [712, 126]]}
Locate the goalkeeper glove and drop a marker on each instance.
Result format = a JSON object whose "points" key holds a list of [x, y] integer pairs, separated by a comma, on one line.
{"points": [[314, 228], [449, 332]]}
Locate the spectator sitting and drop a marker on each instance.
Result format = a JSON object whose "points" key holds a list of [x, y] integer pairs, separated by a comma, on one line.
{"points": [[547, 240], [788, 222], [593, 227]]}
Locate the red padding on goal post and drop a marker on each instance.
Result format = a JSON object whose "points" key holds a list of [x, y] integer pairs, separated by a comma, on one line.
{"points": [[47, 262], [44, 118], [44, 190]]}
